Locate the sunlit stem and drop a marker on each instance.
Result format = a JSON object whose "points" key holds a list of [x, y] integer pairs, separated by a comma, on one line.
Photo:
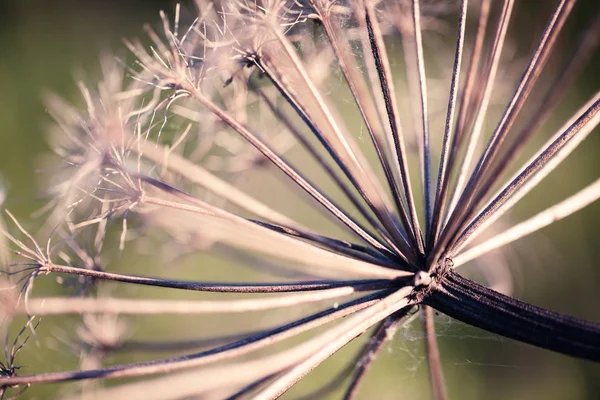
{"points": [[550, 215]]}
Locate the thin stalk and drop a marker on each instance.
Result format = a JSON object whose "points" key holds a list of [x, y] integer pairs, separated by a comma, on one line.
{"points": [[555, 93], [232, 229], [368, 352], [283, 287], [535, 171], [246, 390], [555, 161], [384, 332], [409, 60], [574, 203], [468, 95], [308, 145], [372, 75], [369, 114], [436, 374], [444, 171], [363, 175], [528, 80], [163, 346], [481, 109], [288, 170], [200, 176], [338, 338], [426, 152], [227, 351], [333, 384], [303, 113], [234, 375], [387, 87], [349, 249], [113, 305]]}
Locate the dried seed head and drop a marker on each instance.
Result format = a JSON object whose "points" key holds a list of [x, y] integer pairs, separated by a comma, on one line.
{"points": [[216, 107]]}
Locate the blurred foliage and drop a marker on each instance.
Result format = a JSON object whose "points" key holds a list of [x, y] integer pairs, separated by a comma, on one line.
{"points": [[45, 44]]}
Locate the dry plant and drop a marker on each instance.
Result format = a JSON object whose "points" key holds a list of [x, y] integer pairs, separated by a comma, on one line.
{"points": [[167, 149]]}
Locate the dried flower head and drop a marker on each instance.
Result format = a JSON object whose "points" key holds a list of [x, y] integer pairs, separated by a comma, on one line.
{"points": [[255, 104]]}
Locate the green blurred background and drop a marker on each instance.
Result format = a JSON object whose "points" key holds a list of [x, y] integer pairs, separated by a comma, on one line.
{"points": [[45, 44]]}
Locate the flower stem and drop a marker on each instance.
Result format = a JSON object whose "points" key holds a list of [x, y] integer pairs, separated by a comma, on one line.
{"points": [[487, 309]]}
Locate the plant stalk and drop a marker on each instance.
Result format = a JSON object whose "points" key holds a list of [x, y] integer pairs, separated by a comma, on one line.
{"points": [[476, 305]]}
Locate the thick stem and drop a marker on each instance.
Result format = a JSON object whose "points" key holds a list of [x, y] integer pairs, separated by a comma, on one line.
{"points": [[484, 308]]}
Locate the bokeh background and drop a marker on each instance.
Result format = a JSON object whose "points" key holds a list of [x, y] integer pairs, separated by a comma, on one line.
{"points": [[48, 45]]}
